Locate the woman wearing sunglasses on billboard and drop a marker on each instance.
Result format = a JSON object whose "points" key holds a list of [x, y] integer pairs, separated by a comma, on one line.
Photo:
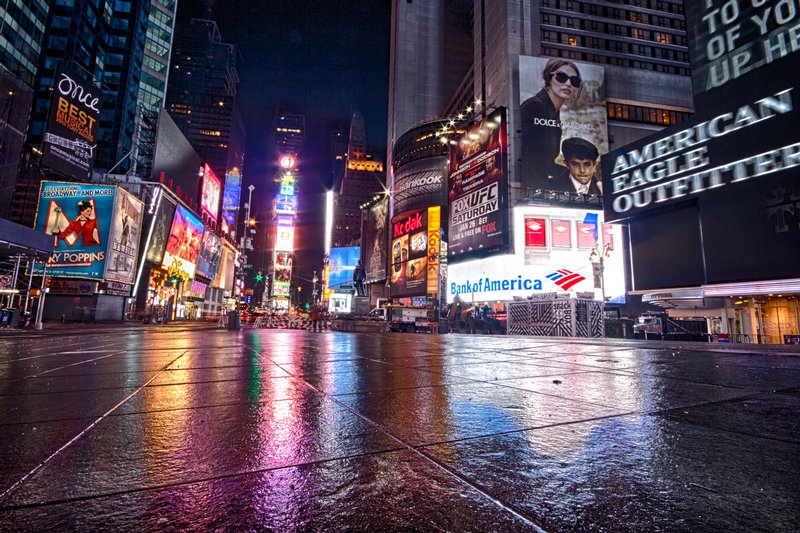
{"points": [[541, 122]]}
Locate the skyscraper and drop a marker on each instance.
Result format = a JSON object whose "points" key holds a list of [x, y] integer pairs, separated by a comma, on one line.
{"points": [[363, 179], [106, 45], [201, 95]]}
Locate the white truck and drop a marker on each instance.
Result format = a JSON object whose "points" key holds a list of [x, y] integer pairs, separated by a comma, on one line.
{"points": [[404, 319]]}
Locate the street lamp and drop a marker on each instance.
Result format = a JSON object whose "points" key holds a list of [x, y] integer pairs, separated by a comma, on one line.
{"points": [[314, 281], [596, 257]]}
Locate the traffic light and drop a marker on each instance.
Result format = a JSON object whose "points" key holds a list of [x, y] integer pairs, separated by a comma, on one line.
{"points": [[259, 277]]}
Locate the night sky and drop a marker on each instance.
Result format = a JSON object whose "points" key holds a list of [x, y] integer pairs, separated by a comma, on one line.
{"points": [[324, 59]]}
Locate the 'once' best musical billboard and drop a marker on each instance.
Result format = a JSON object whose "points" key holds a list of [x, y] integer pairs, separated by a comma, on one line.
{"points": [[70, 140]]}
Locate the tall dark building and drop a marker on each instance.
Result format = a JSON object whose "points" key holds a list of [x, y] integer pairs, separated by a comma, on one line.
{"points": [[363, 178], [106, 46], [201, 96], [290, 132]]}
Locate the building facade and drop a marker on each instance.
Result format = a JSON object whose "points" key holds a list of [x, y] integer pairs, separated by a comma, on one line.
{"points": [[363, 178], [513, 206], [105, 45], [201, 95]]}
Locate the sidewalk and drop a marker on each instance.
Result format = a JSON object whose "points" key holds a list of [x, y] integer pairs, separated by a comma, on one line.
{"points": [[184, 427]]}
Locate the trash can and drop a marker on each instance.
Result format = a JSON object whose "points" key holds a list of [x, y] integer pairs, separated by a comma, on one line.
{"points": [[233, 320]]}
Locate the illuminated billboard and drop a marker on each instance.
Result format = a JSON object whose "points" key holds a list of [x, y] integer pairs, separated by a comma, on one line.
{"points": [[230, 201], [564, 124], [69, 143], [280, 288], [183, 244], [478, 188], [123, 248], [161, 209], [286, 204], [209, 257], [284, 238], [341, 263], [375, 232], [543, 263], [419, 184], [415, 249], [79, 218], [287, 185], [283, 259], [211, 190]]}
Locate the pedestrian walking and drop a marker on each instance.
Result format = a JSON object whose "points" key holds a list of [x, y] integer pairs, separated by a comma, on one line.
{"points": [[315, 318]]}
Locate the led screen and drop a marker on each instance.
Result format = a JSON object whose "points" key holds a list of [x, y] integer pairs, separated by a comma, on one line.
{"points": [[211, 188], [183, 244]]}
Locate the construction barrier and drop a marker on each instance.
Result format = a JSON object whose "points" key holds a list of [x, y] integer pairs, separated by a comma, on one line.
{"points": [[286, 322]]}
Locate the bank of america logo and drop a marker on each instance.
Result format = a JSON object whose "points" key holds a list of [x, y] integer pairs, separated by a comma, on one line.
{"points": [[565, 278]]}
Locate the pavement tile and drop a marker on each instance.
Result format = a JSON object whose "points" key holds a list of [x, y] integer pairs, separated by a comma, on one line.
{"points": [[635, 473], [49, 383], [772, 416], [60, 405], [384, 379], [193, 444], [255, 388], [626, 392], [458, 411], [225, 373], [25, 446], [385, 492]]}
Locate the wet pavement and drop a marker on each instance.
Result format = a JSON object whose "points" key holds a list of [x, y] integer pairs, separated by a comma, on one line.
{"points": [[186, 427]]}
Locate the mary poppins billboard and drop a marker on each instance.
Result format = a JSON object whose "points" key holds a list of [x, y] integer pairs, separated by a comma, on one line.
{"points": [[711, 198]]}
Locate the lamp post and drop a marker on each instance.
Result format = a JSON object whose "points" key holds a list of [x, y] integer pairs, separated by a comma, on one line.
{"points": [[597, 257], [314, 281]]}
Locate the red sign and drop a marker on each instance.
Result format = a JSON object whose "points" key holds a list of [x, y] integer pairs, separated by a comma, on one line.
{"points": [[586, 238], [561, 233], [608, 236], [287, 162], [536, 232], [412, 223]]}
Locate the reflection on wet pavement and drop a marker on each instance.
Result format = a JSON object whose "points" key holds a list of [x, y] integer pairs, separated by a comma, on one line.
{"points": [[193, 428]]}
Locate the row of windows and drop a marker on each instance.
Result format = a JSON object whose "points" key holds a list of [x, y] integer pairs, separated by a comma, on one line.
{"points": [[645, 115], [618, 47], [21, 69], [22, 50], [598, 24], [613, 60], [606, 28], [578, 6], [26, 20]]}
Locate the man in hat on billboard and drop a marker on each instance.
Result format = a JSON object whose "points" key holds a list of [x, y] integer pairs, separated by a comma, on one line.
{"points": [[580, 158]]}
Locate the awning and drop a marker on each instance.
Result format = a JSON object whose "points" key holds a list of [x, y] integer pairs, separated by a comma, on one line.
{"points": [[708, 295], [17, 240]]}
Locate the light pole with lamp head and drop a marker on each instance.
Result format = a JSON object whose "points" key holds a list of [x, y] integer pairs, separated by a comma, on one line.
{"points": [[597, 257]]}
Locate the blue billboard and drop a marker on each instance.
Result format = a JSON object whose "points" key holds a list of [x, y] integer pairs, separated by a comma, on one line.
{"points": [[230, 201], [78, 216], [341, 263]]}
